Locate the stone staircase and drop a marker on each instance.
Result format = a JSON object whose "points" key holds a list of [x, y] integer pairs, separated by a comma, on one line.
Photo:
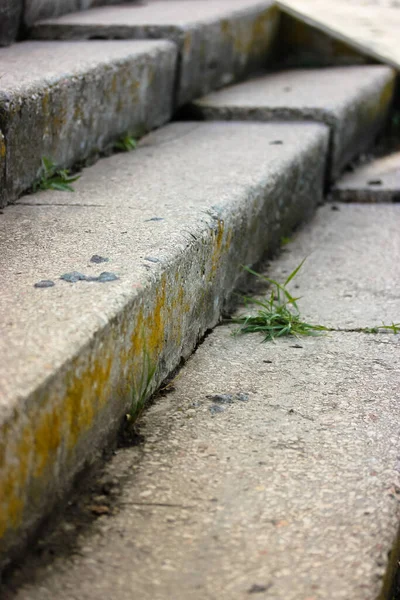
{"points": [[139, 261]]}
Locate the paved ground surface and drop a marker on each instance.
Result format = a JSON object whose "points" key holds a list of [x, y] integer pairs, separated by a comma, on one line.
{"points": [[287, 488]]}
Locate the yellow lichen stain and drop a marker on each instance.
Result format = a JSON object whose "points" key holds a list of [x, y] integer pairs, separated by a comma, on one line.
{"points": [[148, 334], [134, 90], [75, 403], [45, 103], [12, 483], [59, 119], [47, 440], [218, 246], [86, 393], [3, 148], [114, 83], [257, 40], [187, 43]]}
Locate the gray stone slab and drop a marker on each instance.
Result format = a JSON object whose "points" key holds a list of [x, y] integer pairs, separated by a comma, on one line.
{"points": [[219, 41], [369, 27], [175, 224], [68, 101], [378, 181], [10, 17], [353, 101], [291, 493], [34, 10]]}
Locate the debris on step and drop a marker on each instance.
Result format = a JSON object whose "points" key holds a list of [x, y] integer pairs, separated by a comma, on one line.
{"points": [[378, 181]]}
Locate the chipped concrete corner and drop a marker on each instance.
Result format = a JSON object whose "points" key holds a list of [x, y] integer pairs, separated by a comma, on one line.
{"points": [[60, 426]]}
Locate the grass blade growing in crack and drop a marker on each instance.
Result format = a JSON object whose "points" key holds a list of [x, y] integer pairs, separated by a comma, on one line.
{"points": [[52, 178], [141, 390], [278, 315]]}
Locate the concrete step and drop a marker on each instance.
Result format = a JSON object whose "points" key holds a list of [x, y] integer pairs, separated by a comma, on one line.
{"points": [[68, 101], [173, 226], [219, 42], [353, 101], [377, 181], [370, 28], [287, 487]]}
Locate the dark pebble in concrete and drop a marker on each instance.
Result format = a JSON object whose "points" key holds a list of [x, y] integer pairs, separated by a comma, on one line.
{"points": [[45, 283], [104, 277], [221, 398], [215, 408], [73, 277], [96, 258]]}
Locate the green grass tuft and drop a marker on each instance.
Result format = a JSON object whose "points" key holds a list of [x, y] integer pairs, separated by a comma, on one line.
{"points": [[52, 178], [125, 144], [278, 315]]}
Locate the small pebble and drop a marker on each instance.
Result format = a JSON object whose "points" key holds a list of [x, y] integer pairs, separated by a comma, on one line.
{"points": [[151, 259], [215, 408], [45, 283], [103, 277], [154, 219], [97, 259], [221, 398], [73, 277]]}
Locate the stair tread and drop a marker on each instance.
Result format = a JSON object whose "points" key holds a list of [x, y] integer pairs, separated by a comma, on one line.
{"points": [[74, 348], [69, 100], [219, 41], [353, 101]]}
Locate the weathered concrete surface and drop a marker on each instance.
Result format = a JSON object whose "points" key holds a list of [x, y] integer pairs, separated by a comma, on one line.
{"points": [[74, 351], [369, 27], [378, 181], [10, 16], [292, 494], [353, 101], [219, 41], [35, 10], [70, 100]]}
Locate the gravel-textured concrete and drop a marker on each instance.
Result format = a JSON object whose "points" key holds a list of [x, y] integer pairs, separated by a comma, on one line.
{"points": [[175, 224], [378, 181], [35, 10], [353, 101], [219, 41], [285, 488], [70, 100], [10, 17]]}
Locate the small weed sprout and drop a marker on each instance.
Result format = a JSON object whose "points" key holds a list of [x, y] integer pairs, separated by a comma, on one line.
{"points": [[52, 178], [141, 389], [125, 144], [278, 315]]}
